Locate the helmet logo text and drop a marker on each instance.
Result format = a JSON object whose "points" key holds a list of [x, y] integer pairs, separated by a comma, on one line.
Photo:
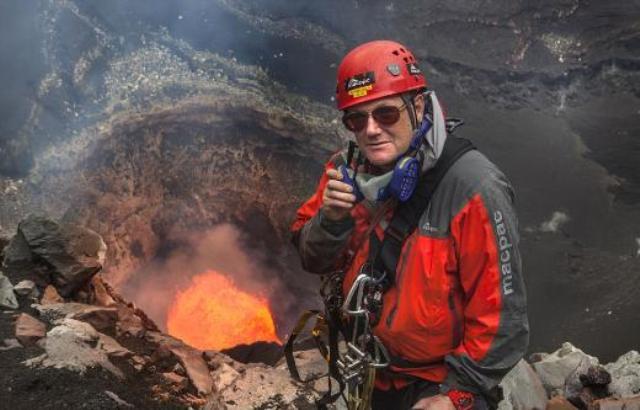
{"points": [[359, 85]]}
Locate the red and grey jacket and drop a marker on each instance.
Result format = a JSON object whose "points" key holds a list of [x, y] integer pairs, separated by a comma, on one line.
{"points": [[457, 312]]}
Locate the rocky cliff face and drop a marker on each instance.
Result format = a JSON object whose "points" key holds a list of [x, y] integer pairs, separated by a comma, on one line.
{"points": [[150, 122]]}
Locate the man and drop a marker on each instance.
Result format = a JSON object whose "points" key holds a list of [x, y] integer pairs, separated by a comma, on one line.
{"points": [[454, 315]]}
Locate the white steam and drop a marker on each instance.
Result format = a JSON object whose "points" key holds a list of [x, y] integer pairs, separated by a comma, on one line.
{"points": [[557, 220]]}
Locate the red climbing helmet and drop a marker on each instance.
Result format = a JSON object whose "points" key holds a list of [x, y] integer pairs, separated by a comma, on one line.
{"points": [[374, 70]]}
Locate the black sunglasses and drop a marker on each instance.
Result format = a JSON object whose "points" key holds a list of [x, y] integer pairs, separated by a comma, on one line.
{"points": [[356, 121]]}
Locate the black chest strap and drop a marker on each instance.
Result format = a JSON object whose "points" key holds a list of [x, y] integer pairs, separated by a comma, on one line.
{"points": [[384, 255]]}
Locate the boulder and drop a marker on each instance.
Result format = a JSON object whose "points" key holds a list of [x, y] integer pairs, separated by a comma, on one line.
{"points": [[555, 368], [7, 297], [29, 329], [64, 255], [76, 346], [522, 389], [51, 296], [625, 375]]}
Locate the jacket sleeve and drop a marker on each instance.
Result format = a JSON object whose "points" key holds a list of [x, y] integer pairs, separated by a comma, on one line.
{"points": [[319, 241], [495, 324]]}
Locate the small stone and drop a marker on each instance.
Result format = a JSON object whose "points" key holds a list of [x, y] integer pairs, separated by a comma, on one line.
{"points": [[129, 322], [631, 403], [117, 399], [7, 297], [29, 329], [179, 369], [10, 344], [560, 403], [102, 296], [24, 288], [595, 376], [101, 318], [179, 382], [51, 296]]}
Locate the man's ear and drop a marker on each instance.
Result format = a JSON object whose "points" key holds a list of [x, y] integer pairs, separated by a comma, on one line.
{"points": [[419, 103]]}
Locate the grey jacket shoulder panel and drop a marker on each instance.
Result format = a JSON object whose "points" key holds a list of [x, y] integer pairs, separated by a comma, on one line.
{"points": [[472, 174]]}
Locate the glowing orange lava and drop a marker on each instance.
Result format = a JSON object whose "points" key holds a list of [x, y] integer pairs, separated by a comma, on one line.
{"points": [[213, 313]]}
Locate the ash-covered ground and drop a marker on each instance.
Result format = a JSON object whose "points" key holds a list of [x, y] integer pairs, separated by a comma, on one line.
{"points": [[150, 122]]}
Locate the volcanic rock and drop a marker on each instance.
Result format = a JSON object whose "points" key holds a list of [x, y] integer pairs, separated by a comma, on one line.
{"points": [[111, 347], [100, 292], [76, 346], [7, 297], [555, 368], [26, 288], [224, 376], [191, 359], [216, 359], [178, 382], [261, 386], [64, 255], [101, 318], [596, 376], [117, 399], [54, 311], [576, 391], [4, 241], [195, 367], [10, 344], [631, 403], [51, 296], [560, 403], [522, 389], [310, 364], [625, 375], [129, 322], [29, 329], [584, 398]]}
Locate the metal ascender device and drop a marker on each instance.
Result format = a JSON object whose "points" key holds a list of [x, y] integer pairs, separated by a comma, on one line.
{"points": [[365, 352]]}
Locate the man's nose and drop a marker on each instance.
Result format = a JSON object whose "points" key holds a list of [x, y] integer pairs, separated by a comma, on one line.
{"points": [[373, 128]]}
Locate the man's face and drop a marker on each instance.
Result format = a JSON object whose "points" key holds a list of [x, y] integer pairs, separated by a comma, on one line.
{"points": [[383, 144]]}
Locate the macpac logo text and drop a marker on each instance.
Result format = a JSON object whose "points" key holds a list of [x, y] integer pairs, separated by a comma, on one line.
{"points": [[505, 253]]}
